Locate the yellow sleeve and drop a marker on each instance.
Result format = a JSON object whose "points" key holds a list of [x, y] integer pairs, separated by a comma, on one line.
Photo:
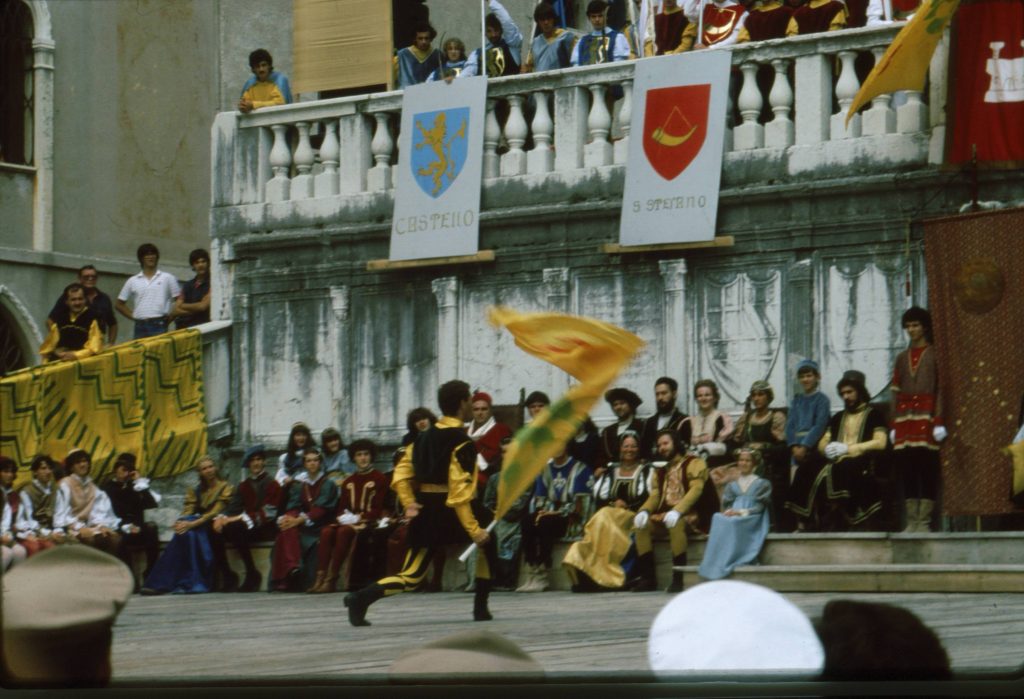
{"points": [[461, 489], [826, 437], [274, 98], [50, 343], [744, 35], [792, 29], [402, 478], [93, 344], [654, 499], [223, 496], [839, 21], [689, 35], [190, 503], [876, 443], [697, 474]]}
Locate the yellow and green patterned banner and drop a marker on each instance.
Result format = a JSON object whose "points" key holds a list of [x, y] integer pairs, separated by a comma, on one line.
{"points": [[144, 397], [592, 352]]}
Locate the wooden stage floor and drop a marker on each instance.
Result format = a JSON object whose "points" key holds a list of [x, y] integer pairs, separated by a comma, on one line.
{"points": [[262, 638]]}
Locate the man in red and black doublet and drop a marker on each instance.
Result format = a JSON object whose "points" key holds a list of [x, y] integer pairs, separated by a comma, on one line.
{"points": [[669, 25], [310, 501], [436, 484], [487, 433], [767, 20], [818, 16], [354, 530], [249, 517]]}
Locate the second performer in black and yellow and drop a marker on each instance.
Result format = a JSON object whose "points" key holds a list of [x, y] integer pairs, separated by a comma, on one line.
{"points": [[436, 483]]}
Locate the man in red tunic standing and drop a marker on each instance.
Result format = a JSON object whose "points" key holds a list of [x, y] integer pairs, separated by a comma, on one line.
{"points": [[917, 427]]}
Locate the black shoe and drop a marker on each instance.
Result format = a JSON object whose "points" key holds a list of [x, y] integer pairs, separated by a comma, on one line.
{"points": [[150, 592], [252, 582], [644, 585], [358, 602], [480, 595]]}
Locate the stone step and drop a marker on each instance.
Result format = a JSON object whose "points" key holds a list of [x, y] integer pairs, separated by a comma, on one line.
{"points": [[884, 548], [877, 578]]}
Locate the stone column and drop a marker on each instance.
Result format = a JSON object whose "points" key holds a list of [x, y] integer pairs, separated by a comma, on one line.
{"points": [[446, 291], [675, 334], [339, 340], [556, 293], [241, 380], [42, 142], [800, 319]]}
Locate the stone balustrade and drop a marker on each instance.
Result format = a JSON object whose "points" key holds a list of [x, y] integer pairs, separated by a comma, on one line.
{"points": [[788, 96]]}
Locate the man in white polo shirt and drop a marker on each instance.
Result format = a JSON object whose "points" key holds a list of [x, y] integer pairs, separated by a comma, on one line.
{"points": [[152, 293]]}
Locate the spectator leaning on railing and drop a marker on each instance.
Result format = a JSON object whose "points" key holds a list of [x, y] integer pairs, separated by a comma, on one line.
{"points": [[99, 302], [267, 87], [74, 332]]}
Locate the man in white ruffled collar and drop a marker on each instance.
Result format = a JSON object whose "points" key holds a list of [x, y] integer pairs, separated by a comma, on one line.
{"points": [[486, 433], [84, 510]]}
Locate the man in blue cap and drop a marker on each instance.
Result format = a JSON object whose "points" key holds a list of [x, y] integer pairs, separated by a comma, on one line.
{"points": [[251, 516], [808, 417]]}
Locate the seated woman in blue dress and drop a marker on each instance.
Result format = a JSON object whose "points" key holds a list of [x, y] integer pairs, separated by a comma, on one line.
{"points": [[186, 565], [739, 530]]}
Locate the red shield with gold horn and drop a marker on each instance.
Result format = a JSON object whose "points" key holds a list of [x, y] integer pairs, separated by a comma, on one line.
{"points": [[675, 124]]}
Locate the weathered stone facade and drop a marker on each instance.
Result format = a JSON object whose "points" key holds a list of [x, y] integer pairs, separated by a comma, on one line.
{"points": [[826, 249]]}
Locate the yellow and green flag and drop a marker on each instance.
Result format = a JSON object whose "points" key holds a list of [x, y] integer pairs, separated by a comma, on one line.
{"points": [[905, 63], [591, 351], [144, 397]]}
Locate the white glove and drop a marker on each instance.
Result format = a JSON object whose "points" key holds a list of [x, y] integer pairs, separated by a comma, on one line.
{"points": [[481, 462], [672, 518], [383, 523], [714, 448], [892, 436], [640, 521], [836, 449], [939, 433], [140, 484], [348, 518]]}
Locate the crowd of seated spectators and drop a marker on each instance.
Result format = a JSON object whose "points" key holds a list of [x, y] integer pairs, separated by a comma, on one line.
{"points": [[334, 524]]}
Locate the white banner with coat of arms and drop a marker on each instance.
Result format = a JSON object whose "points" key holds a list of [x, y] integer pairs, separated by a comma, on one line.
{"points": [[674, 165], [440, 160]]}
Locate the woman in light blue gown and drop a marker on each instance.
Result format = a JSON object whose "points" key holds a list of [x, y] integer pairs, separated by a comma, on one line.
{"points": [[738, 531]]}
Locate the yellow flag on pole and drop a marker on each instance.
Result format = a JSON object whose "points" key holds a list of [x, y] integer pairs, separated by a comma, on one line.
{"points": [[591, 351], [905, 63]]}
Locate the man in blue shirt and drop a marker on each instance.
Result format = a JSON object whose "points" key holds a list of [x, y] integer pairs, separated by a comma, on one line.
{"points": [[808, 417]]}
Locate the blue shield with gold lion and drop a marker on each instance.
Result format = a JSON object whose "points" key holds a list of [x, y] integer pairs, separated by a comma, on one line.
{"points": [[439, 148]]}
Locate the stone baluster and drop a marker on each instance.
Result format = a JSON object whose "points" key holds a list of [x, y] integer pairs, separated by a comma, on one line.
{"points": [[846, 89], [302, 185], [880, 118], [912, 115], [541, 159], [513, 162], [779, 131], [749, 134], [492, 135], [378, 179], [598, 150], [279, 187], [326, 182], [625, 122]]}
